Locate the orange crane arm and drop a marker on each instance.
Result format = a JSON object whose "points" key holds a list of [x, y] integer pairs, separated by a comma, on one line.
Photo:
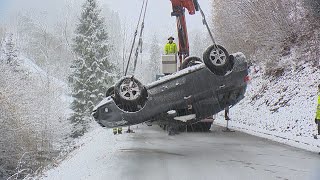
{"points": [[191, 5], [178, 10]]}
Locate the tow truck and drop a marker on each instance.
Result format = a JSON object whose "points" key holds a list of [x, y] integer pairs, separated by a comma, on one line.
{"points": [[178, 10], [189, 94]]}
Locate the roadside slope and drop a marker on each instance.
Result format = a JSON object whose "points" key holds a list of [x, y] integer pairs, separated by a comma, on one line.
{"points": [[280, 108]]}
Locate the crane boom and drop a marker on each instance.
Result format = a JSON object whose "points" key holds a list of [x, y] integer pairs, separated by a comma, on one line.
{"points": [[178, 10]]}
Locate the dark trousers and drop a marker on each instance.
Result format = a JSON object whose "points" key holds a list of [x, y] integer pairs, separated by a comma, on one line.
{"points": [[318, 122], [226, 113]]}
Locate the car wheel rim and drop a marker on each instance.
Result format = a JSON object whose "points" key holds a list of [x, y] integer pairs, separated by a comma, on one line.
{"points": [[218, 57], [129, 90]]}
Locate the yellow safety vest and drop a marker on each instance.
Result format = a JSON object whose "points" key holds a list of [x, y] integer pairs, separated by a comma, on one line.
{"points": [[318, 108], [170, 48]]}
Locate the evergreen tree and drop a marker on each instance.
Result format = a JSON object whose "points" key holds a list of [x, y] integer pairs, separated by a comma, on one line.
{"points": [[91, 69], [155, 58]]}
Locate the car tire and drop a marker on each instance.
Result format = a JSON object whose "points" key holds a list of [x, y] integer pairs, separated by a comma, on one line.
{"points": [[217, 60], [190, 61], [130, 93], [200, 127]]}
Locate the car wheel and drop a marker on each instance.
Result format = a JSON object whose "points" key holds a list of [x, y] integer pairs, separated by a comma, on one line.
{"points": [[200, 127], [190, 61], [130, 92], [217, 59]]}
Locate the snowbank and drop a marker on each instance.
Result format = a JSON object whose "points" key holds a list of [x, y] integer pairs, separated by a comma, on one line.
{"points": [[281, 109], [101, 144]]}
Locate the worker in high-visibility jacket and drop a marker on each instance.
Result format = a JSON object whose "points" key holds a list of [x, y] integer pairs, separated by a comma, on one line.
{"points": [[171, 47], [317, 119]]}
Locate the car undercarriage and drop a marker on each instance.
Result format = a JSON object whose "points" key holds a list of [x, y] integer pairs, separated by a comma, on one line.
{"points": [[194, 93]]}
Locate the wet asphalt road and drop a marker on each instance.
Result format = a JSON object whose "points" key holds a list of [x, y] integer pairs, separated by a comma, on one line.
{"points": [[151, 154]]}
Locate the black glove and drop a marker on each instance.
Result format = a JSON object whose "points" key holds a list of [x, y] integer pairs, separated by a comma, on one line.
{"points": [[316, 120]]}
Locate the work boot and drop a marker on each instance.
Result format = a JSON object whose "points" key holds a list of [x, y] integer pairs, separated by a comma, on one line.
{"points": [[115, 131], [315, 136], [129, 131]]}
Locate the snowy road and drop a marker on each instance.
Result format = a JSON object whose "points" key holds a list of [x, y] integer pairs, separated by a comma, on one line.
{"points": [[151, 154]]}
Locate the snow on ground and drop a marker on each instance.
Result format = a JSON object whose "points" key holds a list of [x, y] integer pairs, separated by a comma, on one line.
{"points": [[91, 153], [282, 109], [150, 153]]}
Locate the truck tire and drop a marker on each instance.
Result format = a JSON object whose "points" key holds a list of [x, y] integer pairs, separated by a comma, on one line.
{"points": [[190, 61], [200, 127]]}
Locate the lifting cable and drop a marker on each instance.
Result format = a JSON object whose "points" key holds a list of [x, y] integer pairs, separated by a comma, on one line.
{"points": [[204, 21], [136, 33], [140, 38]]}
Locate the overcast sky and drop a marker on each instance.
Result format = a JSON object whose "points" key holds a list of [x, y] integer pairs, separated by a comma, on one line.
{"points": [[158, 19]]}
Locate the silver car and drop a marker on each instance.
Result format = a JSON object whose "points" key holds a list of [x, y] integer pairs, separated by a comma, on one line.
{"points": [[197, 91]]}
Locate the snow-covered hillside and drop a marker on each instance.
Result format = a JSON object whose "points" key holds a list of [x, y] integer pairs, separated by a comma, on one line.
{"points": [[34, 107], [280, 108]]}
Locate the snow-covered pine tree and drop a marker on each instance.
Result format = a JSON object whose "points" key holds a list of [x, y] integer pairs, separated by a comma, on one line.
{"points": [[155, 59], [91, 69]]}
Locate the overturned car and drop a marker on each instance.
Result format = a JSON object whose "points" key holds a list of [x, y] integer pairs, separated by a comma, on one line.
{"points": [[197, 91]]}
